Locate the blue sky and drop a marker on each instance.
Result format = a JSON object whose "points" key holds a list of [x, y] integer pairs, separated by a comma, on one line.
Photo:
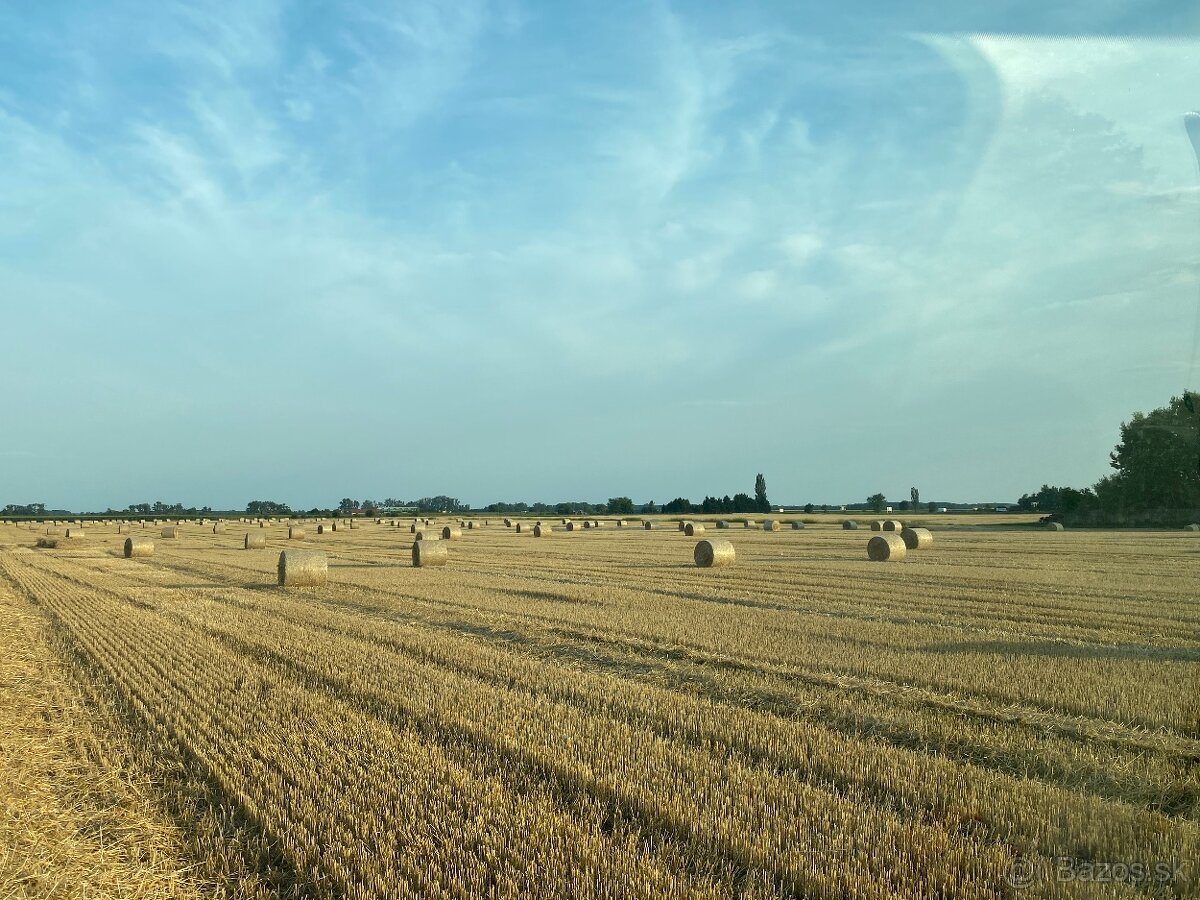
{"points": [[511, 250]]}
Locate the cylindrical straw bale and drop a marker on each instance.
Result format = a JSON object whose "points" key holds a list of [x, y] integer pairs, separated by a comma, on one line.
{"points": [[691, 529], [1054, 526], [430, 553], [849, 525], [54, 531], [303, 568], [451, 534], [770, 525], [508, 523], [620, 523], [917, 538], [296, 533], [877, 525], [797, 526], [682, 525], [570, 526], [218, 527], [721, 523], [884, 547], [749, 523], [471, 525], [540, 530], [171, 531], [648, 525], [587, 523], [138, 546], [518, 528], [75, 532], [321, 529], [893, 525], [255, 541], [713, 553]]}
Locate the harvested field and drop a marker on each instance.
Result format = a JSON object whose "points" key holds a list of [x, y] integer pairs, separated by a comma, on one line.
{"points": [[596, 716]]}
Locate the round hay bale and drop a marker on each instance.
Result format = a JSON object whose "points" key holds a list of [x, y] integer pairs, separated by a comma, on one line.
{"points": [[138, 546], [648, 525], [587, 523], [470, 526], [797, 526], [255, 541], [771, 525], [595, 523], [430, 553], [352, 526], [849, 525], [893, 525], [693, 528], [122, 529], [451, 534], [379, 521], [333, 527], [303, 568], [540, 530], [565, 521], [749, 523], [321, 529], [412, 529], [296, 533], [218, 528], [917, 538], [420, 535], [877, 525], [171, 531], [1054, 526], [1195, 526], [721, 523], [518, 528], [508, 523], [570, 526], [714, 553], [54, 531], [885, 547], [76, 532], [682, 525], [620, 523]]}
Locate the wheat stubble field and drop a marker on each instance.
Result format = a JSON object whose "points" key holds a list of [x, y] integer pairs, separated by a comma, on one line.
{"points": [[590, 715]]}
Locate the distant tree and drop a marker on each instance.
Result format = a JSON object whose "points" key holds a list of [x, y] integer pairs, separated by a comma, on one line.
{"points": [[267, 508], [650, 508], [808, 507], [743, 503], [760, 493], [915, 496], [876, 502], [678, 505], [905, 505], [619, 506], [930, 506], [347, 505], [1157, 460]]}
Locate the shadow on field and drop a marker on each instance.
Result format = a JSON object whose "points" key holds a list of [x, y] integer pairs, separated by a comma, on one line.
{"points": [[1068, 651]]}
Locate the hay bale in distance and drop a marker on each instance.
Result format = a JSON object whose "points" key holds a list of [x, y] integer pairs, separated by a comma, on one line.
{"points": [[620, 523], [721, 523], [171, 531], [797, 526], [714, 553], [877, 525], [587, 523], [412, 529], [138, 546], [321, 529], [430, 553], [471, 526], [849, 525], [893, 525], [451, 534], [303, 568], [540, 530], [218, 528], [296, 533], [518, 528], [917, 538], [682, 525], [648, 525], [771, 525], [570, 526], [1054, 526], [54, 531], [885, 547], [749, 523], [508, 523], [692, 529], [76, 532], [255, 541]]}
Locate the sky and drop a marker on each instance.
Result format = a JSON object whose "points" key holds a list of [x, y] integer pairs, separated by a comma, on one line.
{"points": [[543, 251]]}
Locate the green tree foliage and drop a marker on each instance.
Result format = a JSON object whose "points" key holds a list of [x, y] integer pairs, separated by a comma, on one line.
{"points": [[620, 505], [1157, 460], [877, 502], [267, 508], [761, 503]]}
